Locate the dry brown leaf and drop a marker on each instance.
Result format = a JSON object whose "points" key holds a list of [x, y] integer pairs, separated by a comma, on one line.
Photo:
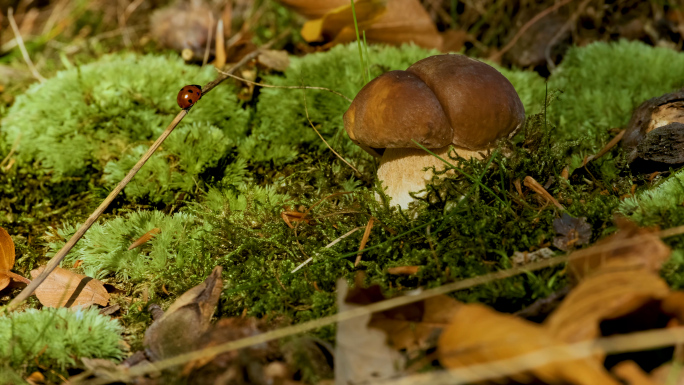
{"points": [[145, 238], [649, 253], [313, 9], [601, 297], [63, 288], [179, 329], [405, 21], [478, 335], [7, 253], [632, 374], [36, 378], [362, 354], [332, 23], [416, 326], [274, 59], [14, 276], [4, 281]]}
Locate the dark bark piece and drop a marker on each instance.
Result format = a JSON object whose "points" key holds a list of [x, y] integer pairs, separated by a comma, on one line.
{"points": [[654, 138], [661, 148]]}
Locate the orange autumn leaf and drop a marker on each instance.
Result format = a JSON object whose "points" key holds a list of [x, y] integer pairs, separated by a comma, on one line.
{"points": [[7, 253], [313, 9], [631, 247], [63, 288], [330, 25], [405, 21], [412, 326], [480, 335], [7, 257], [602, 297], [144, 239]]}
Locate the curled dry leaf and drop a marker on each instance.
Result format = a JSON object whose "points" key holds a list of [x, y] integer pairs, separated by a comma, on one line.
{"points": [[601, 297], [632, 374], [333, 22], [313, 9], [389, 21], [647, 252], [7, 257], [63, 288], [479, 335], [178, 330], [7, 253]]}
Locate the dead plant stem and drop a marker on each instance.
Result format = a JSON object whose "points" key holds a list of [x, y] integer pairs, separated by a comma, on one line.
{"points": [[57, 259], [287, 87], [22, 47]]}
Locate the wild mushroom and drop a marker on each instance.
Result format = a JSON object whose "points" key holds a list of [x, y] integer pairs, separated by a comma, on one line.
{"points": [[438, 102]]}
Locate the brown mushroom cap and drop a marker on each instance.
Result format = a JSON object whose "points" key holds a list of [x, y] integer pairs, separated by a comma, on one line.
{"points": [[441, 95], [395, 108]]}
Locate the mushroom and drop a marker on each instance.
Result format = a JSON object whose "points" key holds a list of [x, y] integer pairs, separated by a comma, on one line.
{"points": [[438, 102]]}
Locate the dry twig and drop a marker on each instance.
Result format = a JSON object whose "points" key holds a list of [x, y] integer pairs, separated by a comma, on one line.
{"points": [[613, 142], [57, 258], [539, 189]]}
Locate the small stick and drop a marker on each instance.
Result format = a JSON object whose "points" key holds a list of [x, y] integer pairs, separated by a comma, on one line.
{"points": [[364, 240], [539, 189], [498, 55], [57, 258], [331, 244], [22, 47], [613, 142], [288, 87]]}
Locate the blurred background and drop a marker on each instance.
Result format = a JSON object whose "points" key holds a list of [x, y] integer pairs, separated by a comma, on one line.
{"points": [[524, 34]]}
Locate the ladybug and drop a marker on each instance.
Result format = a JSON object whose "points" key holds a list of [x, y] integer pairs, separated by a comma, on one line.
{"points": [[188, 96]]}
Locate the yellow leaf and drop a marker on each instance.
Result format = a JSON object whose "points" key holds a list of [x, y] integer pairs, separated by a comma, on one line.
{"points": [[330, 25], [479, 335], [601, 297]]}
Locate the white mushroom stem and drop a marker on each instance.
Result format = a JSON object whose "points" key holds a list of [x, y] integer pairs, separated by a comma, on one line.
{"points": [[403, 170]]}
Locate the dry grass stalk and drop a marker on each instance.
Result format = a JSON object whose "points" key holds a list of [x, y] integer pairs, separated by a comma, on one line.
{"points": [[539, 189]]}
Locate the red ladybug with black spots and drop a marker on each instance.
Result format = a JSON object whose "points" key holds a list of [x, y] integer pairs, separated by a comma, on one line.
{"points": [[188, 96]]}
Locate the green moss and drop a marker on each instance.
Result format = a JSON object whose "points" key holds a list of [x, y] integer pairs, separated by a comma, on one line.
{"points": [[97, 117], [603, 82], [173, 257], [57, 338]]}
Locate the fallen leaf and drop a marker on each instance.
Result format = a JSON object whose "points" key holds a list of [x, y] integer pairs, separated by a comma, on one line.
{"points": [[178, 330], [632, 374], [332, 23], [478, 335], [572, 232], [145, 238], [601, 297], [36, 378], [277, 60], [7, 253], [648, 253], [362, 353], [64, 288], [418, 325], [405, 21], [313, 9]]}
